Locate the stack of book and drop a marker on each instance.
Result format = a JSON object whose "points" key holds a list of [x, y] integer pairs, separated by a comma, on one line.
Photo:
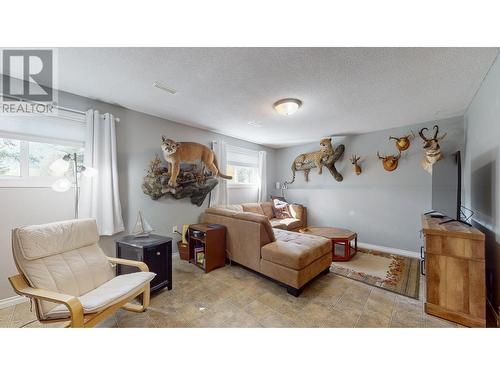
{"points": [[199, 256]]}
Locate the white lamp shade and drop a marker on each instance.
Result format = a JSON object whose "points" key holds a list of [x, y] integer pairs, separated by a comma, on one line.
{"points": [[90, 172], [61, 185], [59, 167]]}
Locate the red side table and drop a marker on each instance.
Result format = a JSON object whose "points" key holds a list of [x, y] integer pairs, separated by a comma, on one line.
{"points": [[338, 236]]}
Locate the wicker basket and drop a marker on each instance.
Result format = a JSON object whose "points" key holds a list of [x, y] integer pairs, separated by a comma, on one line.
{"points": [[183, 250]]}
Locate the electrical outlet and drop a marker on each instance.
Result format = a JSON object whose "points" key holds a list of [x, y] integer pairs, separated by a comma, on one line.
{"points": [[174, 229]]}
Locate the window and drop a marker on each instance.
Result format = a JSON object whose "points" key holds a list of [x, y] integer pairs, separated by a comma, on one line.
{"points": [[42, 155], [10, 157], [243, 175], [26, 163], [242, 165], [30, 144]]}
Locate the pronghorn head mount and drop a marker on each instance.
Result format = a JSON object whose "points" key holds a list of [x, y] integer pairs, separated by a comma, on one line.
{"points": [[390, 162], [431, 148]]}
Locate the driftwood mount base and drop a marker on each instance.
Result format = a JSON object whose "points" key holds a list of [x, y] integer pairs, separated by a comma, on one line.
{"points": [[192, 182]]}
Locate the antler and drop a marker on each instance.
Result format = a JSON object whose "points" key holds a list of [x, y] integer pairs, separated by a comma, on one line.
{"points": [[421, 133], [436, 132], [380, 157], [397, 139], [354, 159]]}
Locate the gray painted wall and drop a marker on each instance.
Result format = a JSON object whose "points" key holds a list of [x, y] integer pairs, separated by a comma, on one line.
{"points": [[138, 139], [482, 172], [382, 207]]}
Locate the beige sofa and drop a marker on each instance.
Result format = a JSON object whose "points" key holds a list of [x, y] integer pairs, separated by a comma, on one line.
{"points": [[297, 221], [288, 257]]}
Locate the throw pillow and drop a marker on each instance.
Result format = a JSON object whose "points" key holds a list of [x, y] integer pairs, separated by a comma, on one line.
{"points": [[281, 208]]}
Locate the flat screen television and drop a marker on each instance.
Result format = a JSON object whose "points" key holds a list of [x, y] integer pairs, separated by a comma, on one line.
{"points": [[447, 186]]}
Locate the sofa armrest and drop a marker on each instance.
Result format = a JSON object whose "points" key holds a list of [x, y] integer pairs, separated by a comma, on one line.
{"points": [[132, 263], [247, 216], [73, 304]]}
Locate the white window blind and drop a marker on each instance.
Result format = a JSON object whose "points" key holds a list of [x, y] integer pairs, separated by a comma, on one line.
{"points": [[65, 128], [242, 157]]}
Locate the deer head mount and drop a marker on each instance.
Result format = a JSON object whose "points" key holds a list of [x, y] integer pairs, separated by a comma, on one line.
{"points": [[431, 147], [403, 143], [389, 162], [356, 168]]}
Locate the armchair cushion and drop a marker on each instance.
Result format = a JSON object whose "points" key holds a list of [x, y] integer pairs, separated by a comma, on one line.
{"points": [[62, 257], [106, 294], [40, 241]]}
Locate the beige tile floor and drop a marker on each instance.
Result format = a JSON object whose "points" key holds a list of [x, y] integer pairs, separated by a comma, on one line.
{"points": [[235, 297]]}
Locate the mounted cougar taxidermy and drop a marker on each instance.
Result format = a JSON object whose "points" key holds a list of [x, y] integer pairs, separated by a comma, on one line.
{"points": [[325, 156], [403, 143], [390, 162], [176, 153], [356, 168], [432, 149]]}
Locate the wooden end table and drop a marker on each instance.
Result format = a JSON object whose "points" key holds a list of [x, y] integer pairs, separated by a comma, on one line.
{"points": [[211, 243], [338, 236]]}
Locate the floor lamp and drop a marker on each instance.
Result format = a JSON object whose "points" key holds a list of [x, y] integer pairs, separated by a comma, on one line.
{"points": [[60, 166]]}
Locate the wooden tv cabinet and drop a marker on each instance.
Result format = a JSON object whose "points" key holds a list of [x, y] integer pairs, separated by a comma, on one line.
{"points": [[454, 272]]}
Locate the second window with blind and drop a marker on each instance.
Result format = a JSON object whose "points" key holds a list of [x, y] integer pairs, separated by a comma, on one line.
{"points": [[243, 165]]}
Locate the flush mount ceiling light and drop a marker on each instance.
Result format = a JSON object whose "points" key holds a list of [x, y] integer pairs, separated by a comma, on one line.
{"points": [[162, 86], [287, 107]]}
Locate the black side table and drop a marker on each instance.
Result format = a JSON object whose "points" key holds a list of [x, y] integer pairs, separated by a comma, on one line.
{"points": [[154, 250]]}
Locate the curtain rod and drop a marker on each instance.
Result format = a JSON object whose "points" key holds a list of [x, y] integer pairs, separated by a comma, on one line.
{"points": [[117, 119]]}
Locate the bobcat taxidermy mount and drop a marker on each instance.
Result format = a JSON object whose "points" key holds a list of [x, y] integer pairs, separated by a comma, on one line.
{"points": [[325, 156], [176, 153]]}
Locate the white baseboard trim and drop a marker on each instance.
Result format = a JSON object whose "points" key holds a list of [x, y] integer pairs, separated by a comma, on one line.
{"points": [[11, 301], [392, 250]]}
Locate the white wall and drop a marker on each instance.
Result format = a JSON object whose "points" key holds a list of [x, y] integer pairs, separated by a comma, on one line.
{"points": [[382, 207], [482, 173]]}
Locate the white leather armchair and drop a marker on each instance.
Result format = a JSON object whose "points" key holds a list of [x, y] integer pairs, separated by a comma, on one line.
{"points": [[63, 269]]}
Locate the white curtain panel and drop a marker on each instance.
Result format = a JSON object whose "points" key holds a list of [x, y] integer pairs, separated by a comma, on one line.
{"points": [[219, 193], [100, 198], [262, 197]]}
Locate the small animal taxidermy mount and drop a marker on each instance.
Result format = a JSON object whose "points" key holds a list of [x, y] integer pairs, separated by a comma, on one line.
{"points": [[325, 156], [432, 149], [192, 182], [356, 168], [403, 143], [390, 162], [177, 152]]}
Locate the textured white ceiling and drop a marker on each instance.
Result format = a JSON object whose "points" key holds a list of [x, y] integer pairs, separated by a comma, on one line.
{"points": [[228, 90]]}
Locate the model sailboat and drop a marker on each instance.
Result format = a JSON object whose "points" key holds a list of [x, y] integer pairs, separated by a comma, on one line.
{"points": [[141, 228]]}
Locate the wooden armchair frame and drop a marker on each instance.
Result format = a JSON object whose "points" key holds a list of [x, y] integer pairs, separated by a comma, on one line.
{"points": [[78, 319]]}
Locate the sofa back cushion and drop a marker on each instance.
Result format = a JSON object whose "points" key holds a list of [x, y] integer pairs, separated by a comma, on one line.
{"points": [[253, 207], [267, 207], [62, 257], [246, 216]]}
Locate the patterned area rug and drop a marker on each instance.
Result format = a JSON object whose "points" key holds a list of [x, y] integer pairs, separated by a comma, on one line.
{"points": [[395, 273]]}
